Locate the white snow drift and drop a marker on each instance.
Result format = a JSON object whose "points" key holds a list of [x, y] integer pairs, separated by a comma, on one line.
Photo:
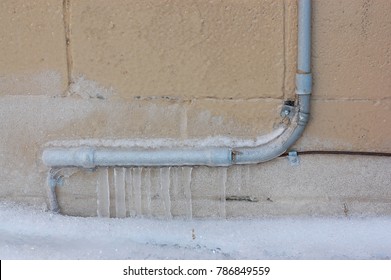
{"points": [[30, 233]]}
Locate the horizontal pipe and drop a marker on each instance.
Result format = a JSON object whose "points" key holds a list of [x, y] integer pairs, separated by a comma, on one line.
{"points": [[87, 157]]}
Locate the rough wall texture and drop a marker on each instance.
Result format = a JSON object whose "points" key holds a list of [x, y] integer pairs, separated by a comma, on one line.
{"points": [[32, 46], [80, 69], [182, 49]]}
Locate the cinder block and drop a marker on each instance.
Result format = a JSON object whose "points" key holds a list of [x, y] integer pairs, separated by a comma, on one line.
{"points": [[78, 192], [184, 49], [33, 49], [339, 125], [232, 118], [344, 187], [351, 49]]}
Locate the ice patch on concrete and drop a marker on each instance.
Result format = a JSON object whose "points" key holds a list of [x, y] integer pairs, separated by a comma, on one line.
{"points": [[89, 89]]}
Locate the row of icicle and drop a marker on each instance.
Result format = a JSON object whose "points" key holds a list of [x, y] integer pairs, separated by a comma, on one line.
{"points": [[130, 189]]}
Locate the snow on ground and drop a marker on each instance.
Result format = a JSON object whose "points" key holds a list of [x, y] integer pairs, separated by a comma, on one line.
{"points": [[30, 233]]}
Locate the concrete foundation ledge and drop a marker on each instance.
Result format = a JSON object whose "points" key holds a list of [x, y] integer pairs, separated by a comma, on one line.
{"points": [[321, 185]]}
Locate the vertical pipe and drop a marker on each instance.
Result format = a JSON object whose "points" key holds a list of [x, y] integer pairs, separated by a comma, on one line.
{"points": [[53, 203], [304, 37]]}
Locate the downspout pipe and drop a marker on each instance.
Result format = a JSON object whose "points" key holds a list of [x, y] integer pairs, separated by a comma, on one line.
{"points": [[90, 157]]}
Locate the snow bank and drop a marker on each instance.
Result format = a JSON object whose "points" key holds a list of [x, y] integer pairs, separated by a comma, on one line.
{"points": [[30, 233]]}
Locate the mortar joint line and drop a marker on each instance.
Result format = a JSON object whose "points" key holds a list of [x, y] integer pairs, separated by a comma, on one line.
{"points": [[67, 31], [284, 15]]}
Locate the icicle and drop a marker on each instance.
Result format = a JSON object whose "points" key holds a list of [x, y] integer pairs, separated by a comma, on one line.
{"points": [[103, 193], [119, 187], [137, 189], [240, 176], [165, 190], [129, 191], [222, 183], [148, 186], [186, 182], [248, 177], [175, 180]]}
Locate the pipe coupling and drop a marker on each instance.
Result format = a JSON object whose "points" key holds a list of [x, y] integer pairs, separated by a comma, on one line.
{"points": [[85, 157], [303, 118], [78, 157], [303, 83]]}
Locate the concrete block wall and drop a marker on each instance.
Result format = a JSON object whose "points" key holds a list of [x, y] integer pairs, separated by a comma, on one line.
{"points": [[83, 69]]}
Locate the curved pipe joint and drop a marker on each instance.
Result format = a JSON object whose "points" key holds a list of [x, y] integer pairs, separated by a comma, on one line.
{"points": [[273, 149]]}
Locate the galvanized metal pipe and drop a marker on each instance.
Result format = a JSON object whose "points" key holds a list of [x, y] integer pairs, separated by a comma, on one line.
{"points": [[87, 157], [304, 37], [90, 157]]}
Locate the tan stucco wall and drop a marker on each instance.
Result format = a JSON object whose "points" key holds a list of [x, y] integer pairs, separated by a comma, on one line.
{"points": [[80, 69]]}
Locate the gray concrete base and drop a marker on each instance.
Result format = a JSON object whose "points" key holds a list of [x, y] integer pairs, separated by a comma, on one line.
{"points": [[322, 185]]}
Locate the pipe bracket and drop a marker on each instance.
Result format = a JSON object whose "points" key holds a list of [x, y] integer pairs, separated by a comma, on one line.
{"points": [[293, 158], [303, 118], [287, 111]]}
